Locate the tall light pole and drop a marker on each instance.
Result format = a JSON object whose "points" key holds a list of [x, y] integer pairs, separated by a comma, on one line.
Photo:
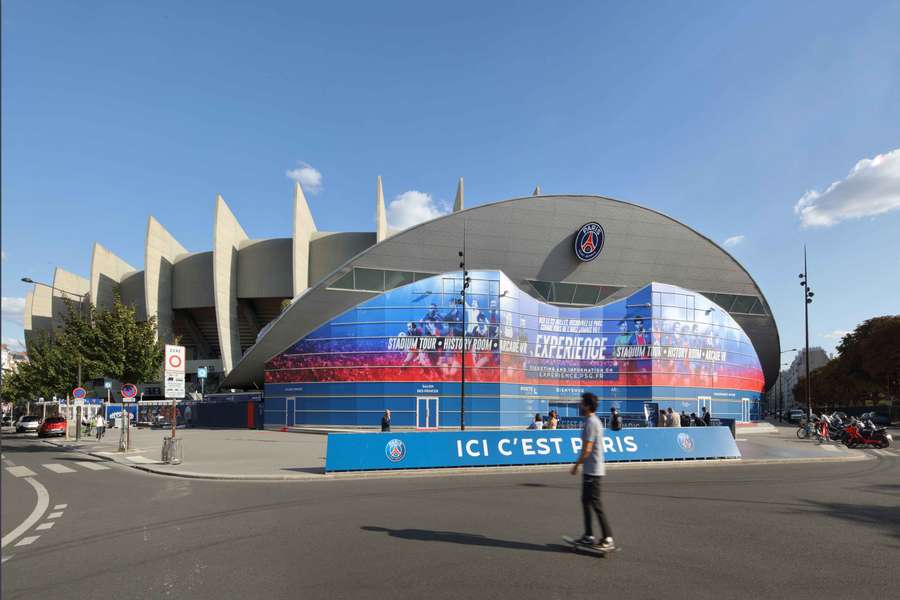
{"points": [[462, 371], [81, 308], [807, 300]]}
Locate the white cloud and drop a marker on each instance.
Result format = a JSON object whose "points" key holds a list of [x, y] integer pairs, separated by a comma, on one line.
{"points": [[413, 207], [733, 241], [309, 177], [872, 188], [13, 310], [837, 334]]}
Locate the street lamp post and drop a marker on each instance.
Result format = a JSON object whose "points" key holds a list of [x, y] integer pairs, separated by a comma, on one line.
{"points": [[81, 308], [807, 300], [462, 371]]}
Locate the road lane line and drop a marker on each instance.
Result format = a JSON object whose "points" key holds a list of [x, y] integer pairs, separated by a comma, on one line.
{"points": [[44, 526], [93, 465], [43, 501], [60, 506], [58, 468], [55, 515], [20, 471], [27, 541]]}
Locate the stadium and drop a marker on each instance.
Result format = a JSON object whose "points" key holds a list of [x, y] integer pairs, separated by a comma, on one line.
{"points": [[566, 293]]}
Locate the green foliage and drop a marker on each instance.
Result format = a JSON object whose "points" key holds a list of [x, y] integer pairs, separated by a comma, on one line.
{"points": [[110, 344], [866, 370]]}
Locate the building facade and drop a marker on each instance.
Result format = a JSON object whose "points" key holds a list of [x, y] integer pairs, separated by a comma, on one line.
{"points": [[242, 306]]}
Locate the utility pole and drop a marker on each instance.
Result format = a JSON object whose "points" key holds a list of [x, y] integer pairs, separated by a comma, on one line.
{"points": [[462, 293], [807, 300]]}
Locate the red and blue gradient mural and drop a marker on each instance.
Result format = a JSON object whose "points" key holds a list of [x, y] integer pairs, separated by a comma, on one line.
{"points": [[403, 350]]}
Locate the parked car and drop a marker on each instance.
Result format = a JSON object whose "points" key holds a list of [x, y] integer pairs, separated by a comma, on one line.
{"points": [[7, 421], [796, 415], [52, 426], [27, 424]]}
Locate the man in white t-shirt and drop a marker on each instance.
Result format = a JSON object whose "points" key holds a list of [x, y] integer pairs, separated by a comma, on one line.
{"points": [[594, 470]]}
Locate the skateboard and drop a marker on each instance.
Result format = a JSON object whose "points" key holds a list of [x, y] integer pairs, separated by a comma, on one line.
{"points": [[595, 550]]}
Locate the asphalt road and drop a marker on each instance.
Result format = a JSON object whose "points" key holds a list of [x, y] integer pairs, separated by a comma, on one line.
{"points": [[810, 530]]}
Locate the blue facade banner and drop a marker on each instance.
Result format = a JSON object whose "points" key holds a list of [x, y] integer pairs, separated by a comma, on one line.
{"points": [[422, 450]]}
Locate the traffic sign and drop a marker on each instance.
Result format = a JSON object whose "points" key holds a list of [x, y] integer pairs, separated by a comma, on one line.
{"points": [[107, 384], [201, 372], [174, 385], [129, 390], [79, 393], [174, 358]]}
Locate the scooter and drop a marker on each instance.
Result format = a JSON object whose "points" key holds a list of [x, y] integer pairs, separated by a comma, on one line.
{"points": [[858, 436]]}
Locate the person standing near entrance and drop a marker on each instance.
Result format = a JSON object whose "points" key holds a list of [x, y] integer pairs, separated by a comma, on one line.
{"points": [[594, 469], [707, 418], [386, 421], [100, 425]]}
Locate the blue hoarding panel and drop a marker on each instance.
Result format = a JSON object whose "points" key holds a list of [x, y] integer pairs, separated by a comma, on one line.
{"points": [[421, 450]]}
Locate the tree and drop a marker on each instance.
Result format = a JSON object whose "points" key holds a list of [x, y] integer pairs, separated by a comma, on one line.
{"points": [[126, 349]]}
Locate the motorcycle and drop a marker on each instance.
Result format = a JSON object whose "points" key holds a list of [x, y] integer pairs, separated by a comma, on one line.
{"points": [[866, 435]]}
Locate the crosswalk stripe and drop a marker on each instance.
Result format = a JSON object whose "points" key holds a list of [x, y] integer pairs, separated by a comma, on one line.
{"points": [[882, 452], [93, 465], [55, 515], [141, 460], [26, 541], [830, 448], [44, 526], [60, 506], [20, 471], [57, 468]]}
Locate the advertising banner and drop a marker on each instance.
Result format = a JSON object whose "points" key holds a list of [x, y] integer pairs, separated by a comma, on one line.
{"points": [[421, 450]]}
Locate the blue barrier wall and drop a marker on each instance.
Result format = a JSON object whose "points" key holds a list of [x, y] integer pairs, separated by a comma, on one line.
{"points": [[418, 450]]}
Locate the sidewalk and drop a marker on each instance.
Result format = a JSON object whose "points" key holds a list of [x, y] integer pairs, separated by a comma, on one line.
{"points": [[216, 453], [241, 454]]}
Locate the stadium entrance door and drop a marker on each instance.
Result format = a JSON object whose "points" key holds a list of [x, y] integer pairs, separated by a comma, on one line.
{"points": [[426, 412]]}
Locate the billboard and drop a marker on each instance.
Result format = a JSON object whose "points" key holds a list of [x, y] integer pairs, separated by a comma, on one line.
{"points": [[411, 339]]}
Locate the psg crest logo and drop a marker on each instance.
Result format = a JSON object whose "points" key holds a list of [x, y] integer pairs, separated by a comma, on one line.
{"points": [[685, 441], [395, 450], [589, 241]]}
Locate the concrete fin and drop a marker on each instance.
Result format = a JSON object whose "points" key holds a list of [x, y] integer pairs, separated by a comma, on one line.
{"points": [[458, 203], [381, 228], [107, 271], [67, 286], [304, 227], [227, 237], [160, 251], [537, 191]]}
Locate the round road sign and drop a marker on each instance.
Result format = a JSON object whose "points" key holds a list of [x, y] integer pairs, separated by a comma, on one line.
{"points": [[129, 390], [174, 362], [79, 393]]}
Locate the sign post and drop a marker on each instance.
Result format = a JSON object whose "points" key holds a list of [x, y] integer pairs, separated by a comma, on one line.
{"points": [[174, 374], [201, 375], [129, 391], [78, 394]]}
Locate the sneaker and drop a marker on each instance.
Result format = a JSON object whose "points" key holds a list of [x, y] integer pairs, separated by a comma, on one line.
{"points": [[587, 540], [607, 544]]}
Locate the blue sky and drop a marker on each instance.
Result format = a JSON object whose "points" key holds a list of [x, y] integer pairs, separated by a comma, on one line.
{"points": [[720, 115]]}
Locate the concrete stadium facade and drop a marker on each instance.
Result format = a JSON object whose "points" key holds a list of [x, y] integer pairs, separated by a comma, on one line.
{"points": [[248, 300]]}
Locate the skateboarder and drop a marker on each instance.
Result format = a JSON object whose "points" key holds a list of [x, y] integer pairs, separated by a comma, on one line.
{"points": [[594, 470]]}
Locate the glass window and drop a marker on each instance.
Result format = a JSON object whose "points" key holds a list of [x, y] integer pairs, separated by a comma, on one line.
{"points": [[543, 288], [563, 292], [421, 276], [742, 304], [394, 279], [345, 282], [585, 294], [369, 279]]}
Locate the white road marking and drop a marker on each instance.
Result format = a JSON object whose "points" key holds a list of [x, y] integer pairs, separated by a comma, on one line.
{"points": [[57, 468], [27, 541], [43, 501], [830, 448], [44, 526], [740, 439], [55, 515], [20, 471], [93, 465], [882, 452], [6, 558], [142, 460], [60, 506]]}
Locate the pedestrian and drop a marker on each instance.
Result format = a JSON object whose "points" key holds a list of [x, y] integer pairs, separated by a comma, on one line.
{"points": [[553, 421], [100, 426], [615, 420], [663, 419], [538, 422], [695, 420], [707, 418], [685, 419], [386, 421], [594, 469], [674, 418]]}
